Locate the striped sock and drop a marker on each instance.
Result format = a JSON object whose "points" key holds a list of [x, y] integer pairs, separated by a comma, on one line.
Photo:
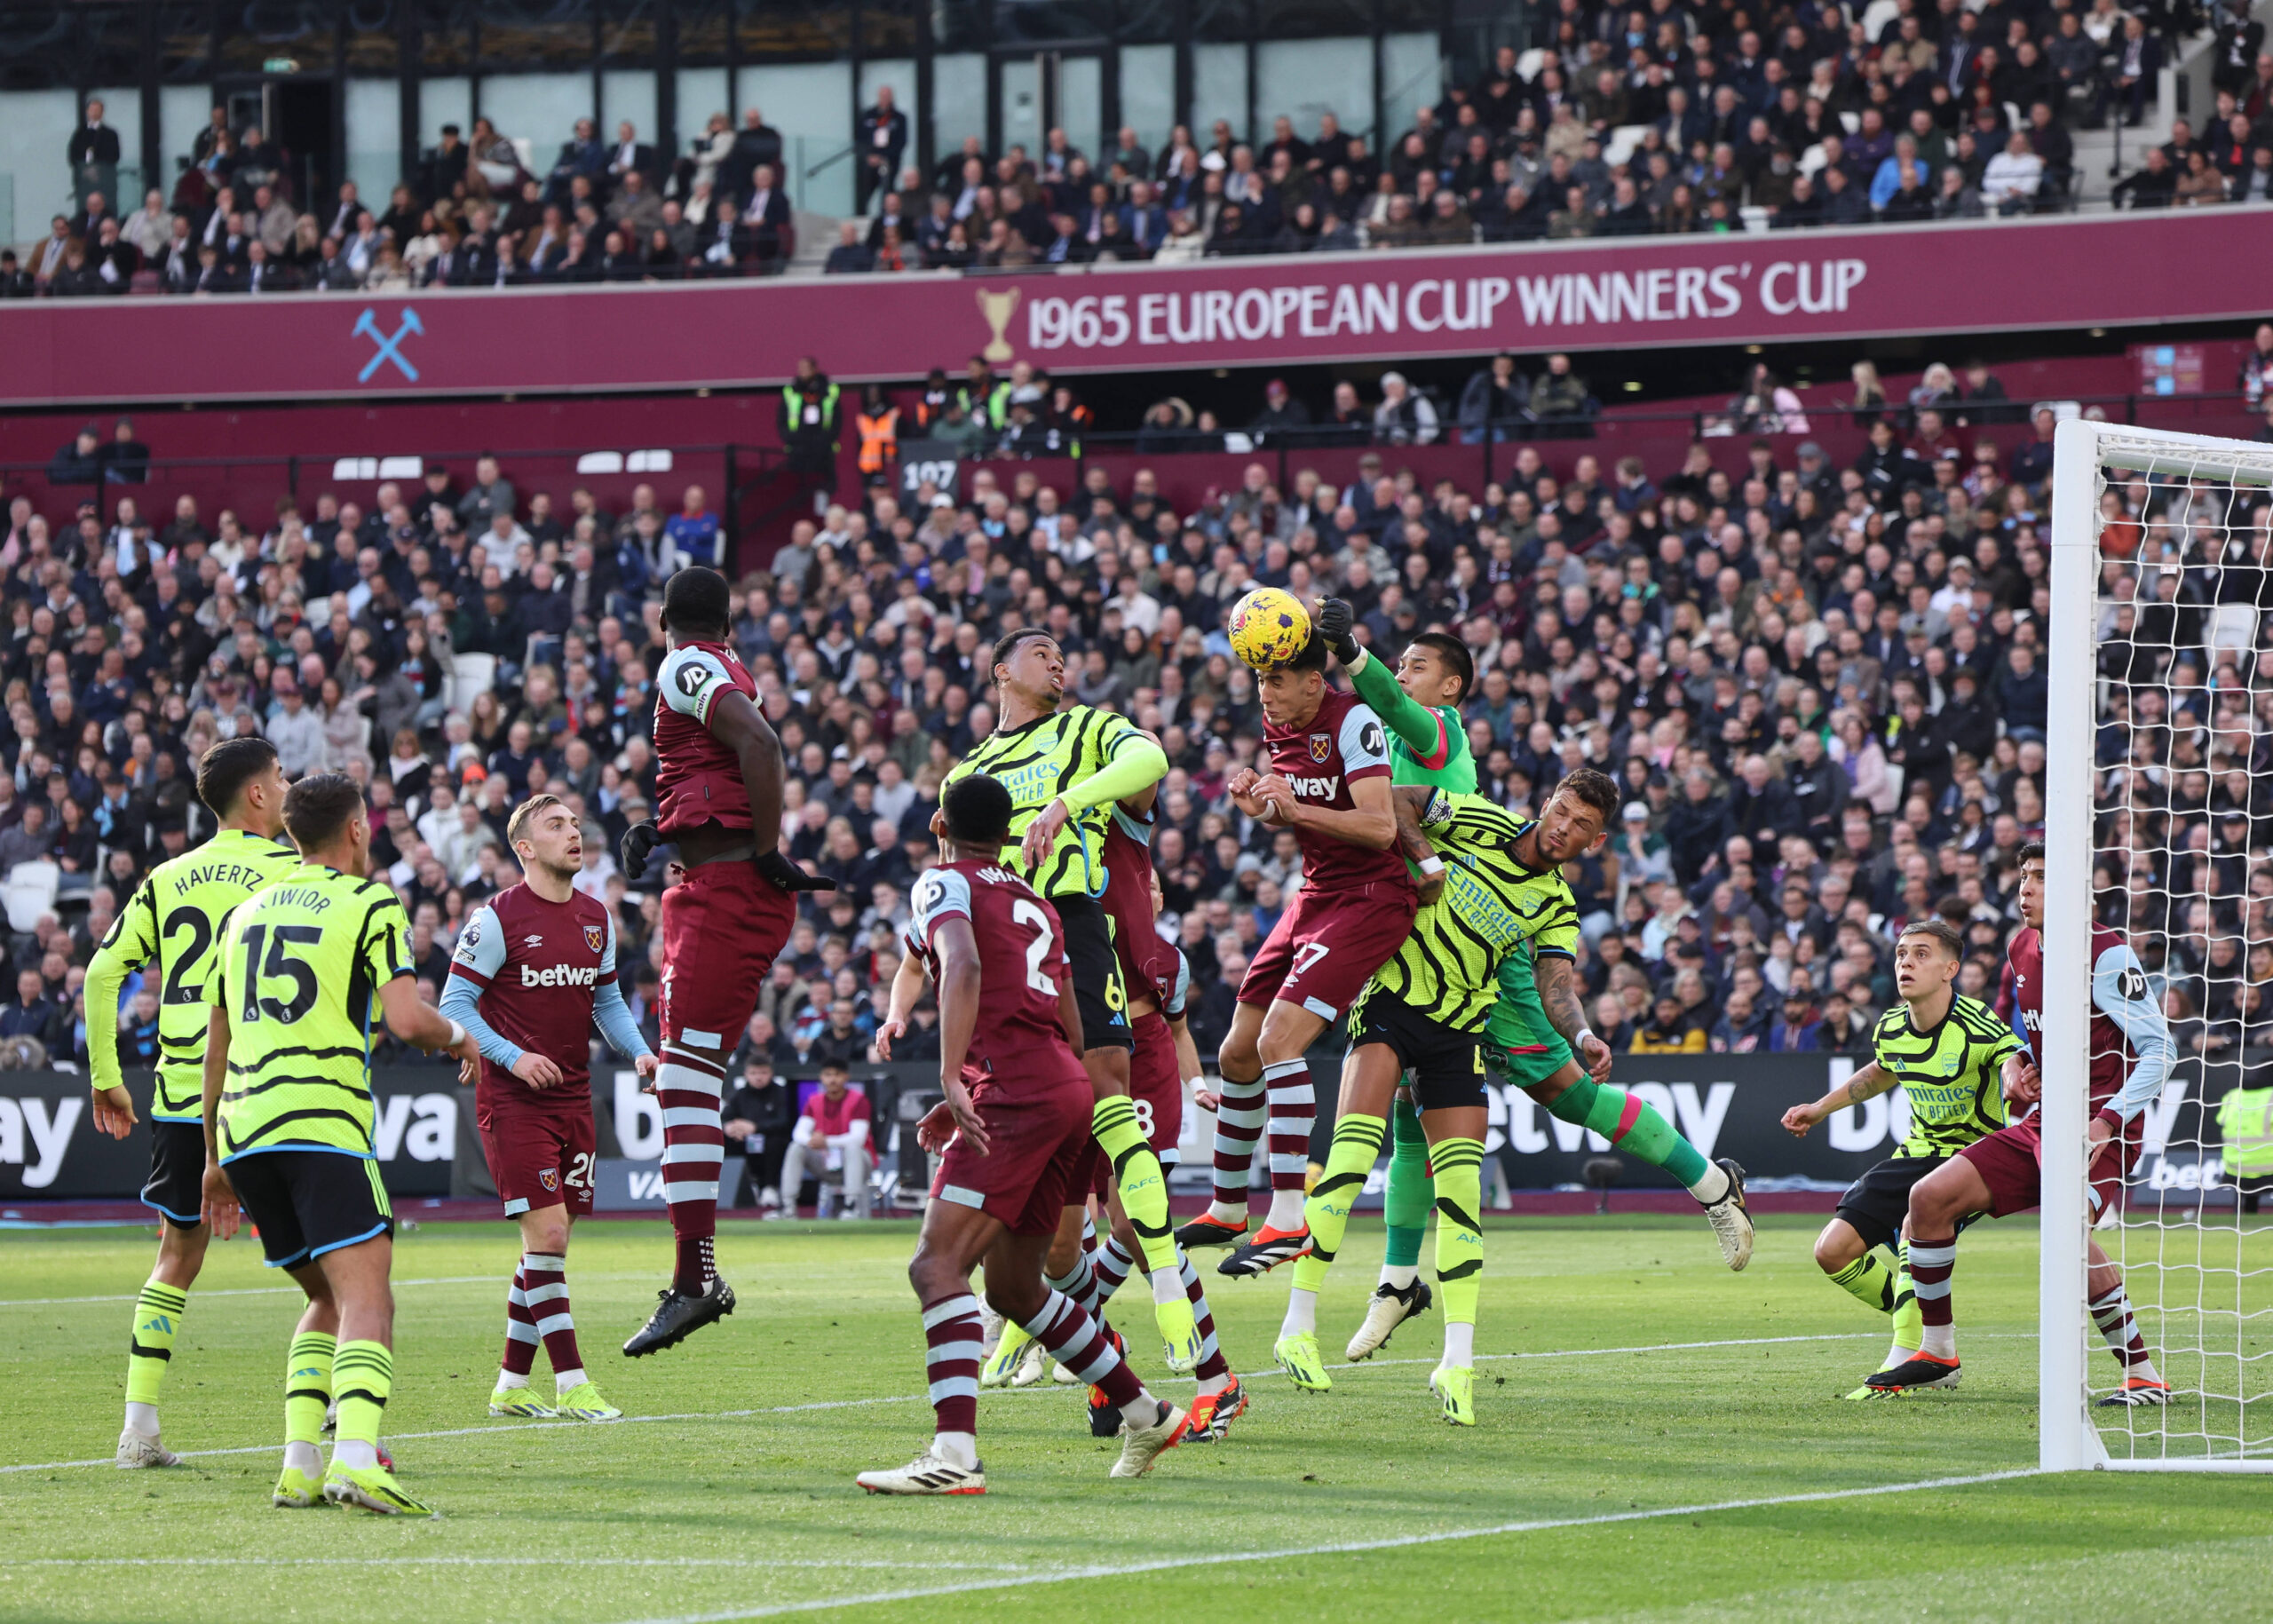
{"points": [[1074, 1341], [1932, 1261], [1294, 1107], [520, 1330], [1078, 1282], [545, 1277], [1213, 1374], [2120, 1330], [150, 1346], [363, 1375], [1357, 1143], [1238, 1124], [1112, 1265], [1458, 1165], [951, 1334], [1868, 1281], [688, 1087], [307, 1386]]}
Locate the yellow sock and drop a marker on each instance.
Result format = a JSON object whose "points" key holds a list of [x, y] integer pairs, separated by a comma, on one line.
{"points": [[1357, 1143], [157, 1321], [307, 1386], [1143, 1186]]}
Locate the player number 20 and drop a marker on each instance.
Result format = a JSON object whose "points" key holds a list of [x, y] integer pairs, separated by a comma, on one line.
{"points": [[580, 1171], [1024, 913]]}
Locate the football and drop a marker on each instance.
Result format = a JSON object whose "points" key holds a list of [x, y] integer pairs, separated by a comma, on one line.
{"points": [[1269, 627]]}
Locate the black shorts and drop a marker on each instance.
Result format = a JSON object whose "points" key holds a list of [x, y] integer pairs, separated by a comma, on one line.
{"points": [[176, 1185], [1444, 1066], [306, 1203], [1099, 992], [1876, 1205]]}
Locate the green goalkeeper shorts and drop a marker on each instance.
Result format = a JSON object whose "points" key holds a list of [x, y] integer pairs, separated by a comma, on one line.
{"points": [[1519, 1043]]}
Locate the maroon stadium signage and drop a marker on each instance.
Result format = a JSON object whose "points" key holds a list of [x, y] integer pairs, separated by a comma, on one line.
{"points": [[1932, 280]]}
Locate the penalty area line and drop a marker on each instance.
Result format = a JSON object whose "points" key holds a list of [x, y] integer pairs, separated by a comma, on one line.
{"points": [[1339, 1548]]}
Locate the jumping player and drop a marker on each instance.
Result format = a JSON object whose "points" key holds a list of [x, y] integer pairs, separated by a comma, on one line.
{"points": [[1946, 1052], [1064, 769], [170, 926], [1330, 783], [2003, 1173], [718, 784], [534, 969], [301, 971], [1422, 1015], [1419, 703], [1014, 1146], [1166, 1059]]}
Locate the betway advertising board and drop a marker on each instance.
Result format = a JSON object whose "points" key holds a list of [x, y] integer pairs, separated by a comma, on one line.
{"points": [[1938, 280]]}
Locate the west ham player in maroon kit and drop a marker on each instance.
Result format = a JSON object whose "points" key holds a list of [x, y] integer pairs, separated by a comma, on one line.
{"points": [[1329, 781], [1015, 1145], [2002, 1174], [535, 968], [718, 789]]}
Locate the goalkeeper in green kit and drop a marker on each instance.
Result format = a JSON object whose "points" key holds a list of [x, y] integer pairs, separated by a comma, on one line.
{"points": [[1419, 703]]}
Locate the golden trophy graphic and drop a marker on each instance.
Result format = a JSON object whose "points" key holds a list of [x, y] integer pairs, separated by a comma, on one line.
{"points": [[998, 308]]}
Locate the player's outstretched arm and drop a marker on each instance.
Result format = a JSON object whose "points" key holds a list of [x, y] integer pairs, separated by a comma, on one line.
{"points": [[1872, 1081], [1557, 981], [1137, 764], [1408, 801], [421, 1025], [132, 943], [1422, 729], [906, 987], [2122, 992]]}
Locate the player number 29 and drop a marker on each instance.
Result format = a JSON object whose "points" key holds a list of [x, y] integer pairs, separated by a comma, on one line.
{"points": [[1024, 913]]}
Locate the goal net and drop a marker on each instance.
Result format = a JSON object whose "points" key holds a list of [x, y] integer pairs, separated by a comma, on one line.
{"points": [[2158, 814]]}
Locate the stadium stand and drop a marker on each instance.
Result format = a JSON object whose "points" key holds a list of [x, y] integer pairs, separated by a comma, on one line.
{"points": [[1819, 678]]}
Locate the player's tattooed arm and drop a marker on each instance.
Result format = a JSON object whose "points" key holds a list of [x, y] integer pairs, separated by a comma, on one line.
{"points": [[1559, 995], [1408, 801], [1872, 1081]]}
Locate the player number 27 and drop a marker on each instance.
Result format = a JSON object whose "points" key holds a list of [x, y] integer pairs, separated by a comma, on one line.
{"points": [[1027, 913], [1308, 954]]}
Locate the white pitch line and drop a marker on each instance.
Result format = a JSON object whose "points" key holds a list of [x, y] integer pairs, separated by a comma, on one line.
{"points": [[452, 1561], [1339, 1548]]}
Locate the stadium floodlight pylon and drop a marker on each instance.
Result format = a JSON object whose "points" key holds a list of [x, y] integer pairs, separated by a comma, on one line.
{"points": [[2200, 1282]]}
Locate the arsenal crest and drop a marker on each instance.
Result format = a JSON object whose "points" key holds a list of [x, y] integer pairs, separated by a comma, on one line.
{"points": [[595, 937], [549, 1179], [1321, 747]]}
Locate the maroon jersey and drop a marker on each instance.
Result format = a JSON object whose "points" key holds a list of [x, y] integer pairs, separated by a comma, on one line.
{"points": [[1017, 1036], [537, 968], [1342, 743], [1147, 964], [2022, 999], [698, 779]]}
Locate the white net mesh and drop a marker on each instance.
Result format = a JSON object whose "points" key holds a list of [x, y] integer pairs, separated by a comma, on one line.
{"points": [[2182, 869]]}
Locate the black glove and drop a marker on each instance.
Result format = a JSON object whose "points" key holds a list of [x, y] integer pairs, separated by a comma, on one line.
{"points": [[1335, 616], [638, 840], [786, 876]]}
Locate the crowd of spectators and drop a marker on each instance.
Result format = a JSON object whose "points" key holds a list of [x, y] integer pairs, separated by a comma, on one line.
{"points": [[1823, 688], [1633, 121]]}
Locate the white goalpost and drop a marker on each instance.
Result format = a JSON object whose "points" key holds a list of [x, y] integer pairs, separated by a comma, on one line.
{"points": [[2159, 600]]}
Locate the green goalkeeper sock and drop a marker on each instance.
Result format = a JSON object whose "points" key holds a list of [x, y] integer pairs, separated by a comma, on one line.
{"points": [[1636, 1128], [1406, 1198], [150, 1348], [1459, 1165], [307, 1386], [1144, 1187], [1356, 1142]]}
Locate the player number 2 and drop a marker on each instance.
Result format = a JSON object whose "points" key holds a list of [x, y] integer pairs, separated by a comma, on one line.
{"points": [[1027, 913], [1308, 954]]}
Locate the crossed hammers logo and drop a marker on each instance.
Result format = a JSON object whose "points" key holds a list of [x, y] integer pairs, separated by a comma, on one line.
{"points": [[366, 326]]}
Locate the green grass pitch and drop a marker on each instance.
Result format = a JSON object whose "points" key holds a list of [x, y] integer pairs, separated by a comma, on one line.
{"points": [[1658, 1439]]}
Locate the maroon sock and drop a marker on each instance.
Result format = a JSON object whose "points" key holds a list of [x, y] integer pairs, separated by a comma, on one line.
{"points": [[694, 1147], [545, 1279], [520, 1328], [952, 1336], [1074, 1341], [1212, 1363], [1931, 1263]]}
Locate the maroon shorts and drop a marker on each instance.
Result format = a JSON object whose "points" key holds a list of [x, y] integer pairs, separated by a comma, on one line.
{"points": [[539, 1148], [2011, 1163], [722, 925], [1039, 1152], [1156, 1089], [1326, 946]]}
